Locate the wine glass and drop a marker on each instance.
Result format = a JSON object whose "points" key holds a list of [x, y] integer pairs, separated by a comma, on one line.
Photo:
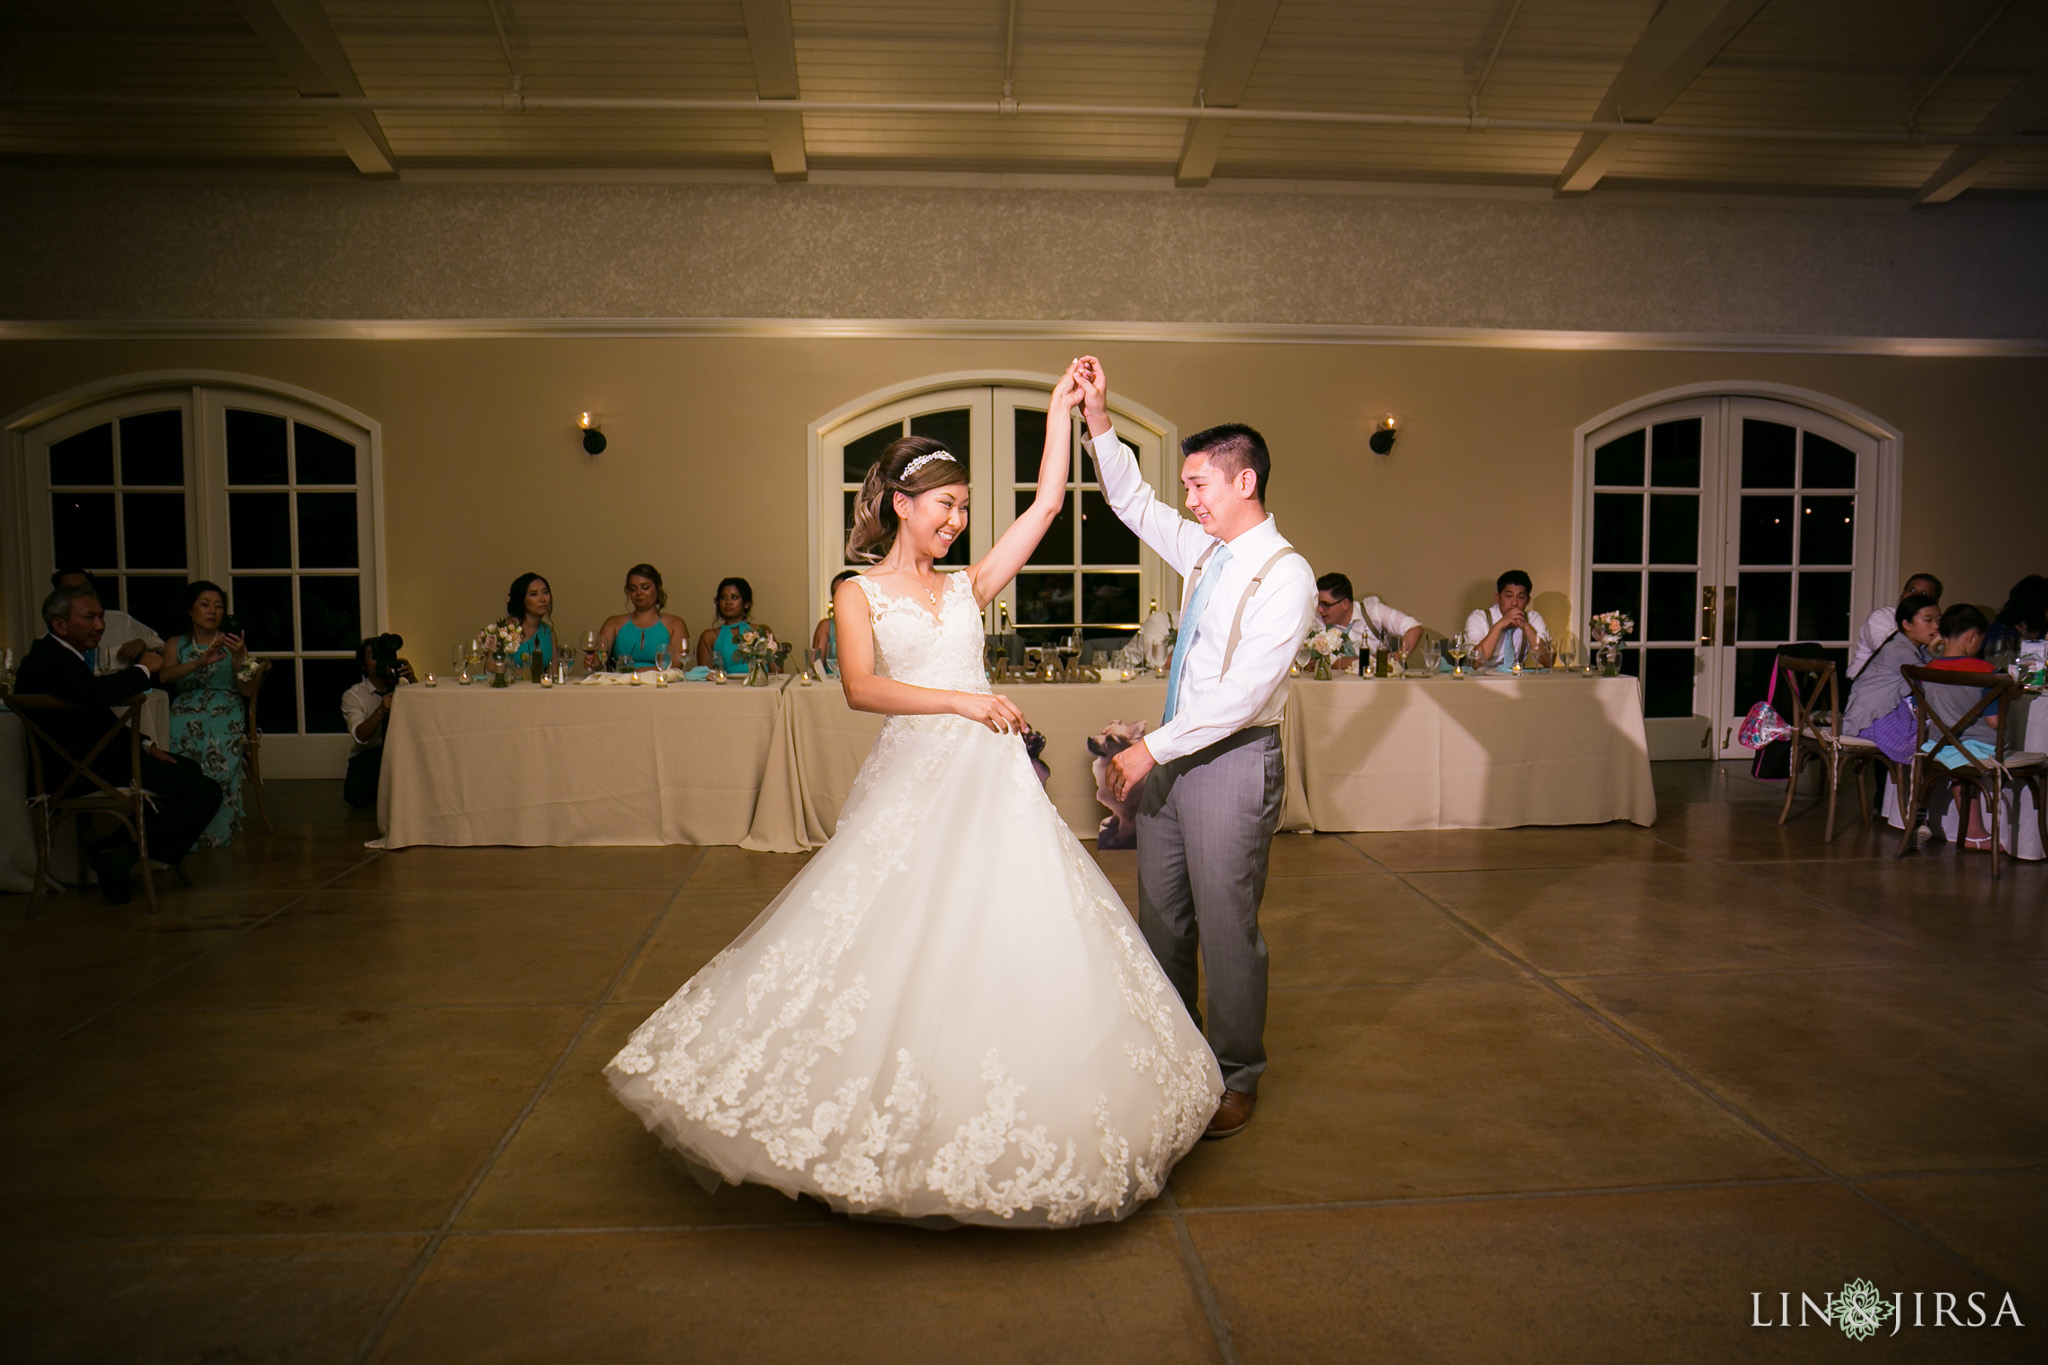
{"points": [[1432, 654], [661, 659], [1460, 647]]}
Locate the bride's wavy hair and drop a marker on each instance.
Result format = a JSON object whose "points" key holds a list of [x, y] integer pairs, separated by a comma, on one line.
{"points": [[875, 522]]}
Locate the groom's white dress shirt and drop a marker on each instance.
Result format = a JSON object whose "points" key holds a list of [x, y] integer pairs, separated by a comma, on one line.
{"points": [[1213, 705]]}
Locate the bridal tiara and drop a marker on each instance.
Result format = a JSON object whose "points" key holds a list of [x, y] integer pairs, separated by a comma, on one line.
{"points": [[921, 461]]}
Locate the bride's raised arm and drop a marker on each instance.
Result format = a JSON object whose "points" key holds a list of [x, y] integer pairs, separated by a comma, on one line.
{"points": [[1010, 553]]}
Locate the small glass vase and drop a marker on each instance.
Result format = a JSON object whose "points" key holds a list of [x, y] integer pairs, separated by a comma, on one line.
{"points": [[1322, 668], [1610, 659], [501, 672], [758, 675]]}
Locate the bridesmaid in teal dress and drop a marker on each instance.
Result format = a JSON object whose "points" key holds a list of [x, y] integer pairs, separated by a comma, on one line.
{"points": [[530, 603], [715, 647], [634, 639], [206, 703], [825, 639]]}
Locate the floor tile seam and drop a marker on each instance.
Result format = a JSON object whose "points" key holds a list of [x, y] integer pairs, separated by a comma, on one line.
{"points": [[227, 941], [1927, 1238], [426, 1255], [1394, 985], [1198, 1276], [1510, 1196], [1786, 970], [1950, 1173], [1393, 871], [1600, 1019]]}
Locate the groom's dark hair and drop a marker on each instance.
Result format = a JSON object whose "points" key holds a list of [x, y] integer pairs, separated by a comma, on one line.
{"points": [[1231, 447]]}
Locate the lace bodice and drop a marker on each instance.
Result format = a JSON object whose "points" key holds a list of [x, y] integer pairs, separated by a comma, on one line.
{"points": [[914, 646]]}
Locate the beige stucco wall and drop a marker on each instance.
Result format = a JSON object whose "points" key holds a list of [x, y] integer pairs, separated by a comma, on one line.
{"points": [[706, 471]]}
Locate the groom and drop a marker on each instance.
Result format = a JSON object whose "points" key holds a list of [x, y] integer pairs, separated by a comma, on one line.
{"points": [[1207, 815]]}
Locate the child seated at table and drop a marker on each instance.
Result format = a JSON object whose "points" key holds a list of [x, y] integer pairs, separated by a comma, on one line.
{"points": [[1962, 639]]}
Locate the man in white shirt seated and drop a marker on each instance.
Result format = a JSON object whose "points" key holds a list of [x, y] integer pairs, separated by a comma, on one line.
{"points": [[125, 638], [366, 707], [1880, 626], [1509, 631], [1371, 624]]}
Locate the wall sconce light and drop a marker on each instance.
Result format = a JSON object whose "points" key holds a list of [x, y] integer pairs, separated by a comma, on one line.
{"points": [[593, 439], [1382, 439]]}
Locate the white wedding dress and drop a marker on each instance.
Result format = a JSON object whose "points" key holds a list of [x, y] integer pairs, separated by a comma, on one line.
{"points": [[948, 1013]]}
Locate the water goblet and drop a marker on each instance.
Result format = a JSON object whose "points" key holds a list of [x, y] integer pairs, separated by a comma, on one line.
{"points": [[661, 661], [1432, 654]]}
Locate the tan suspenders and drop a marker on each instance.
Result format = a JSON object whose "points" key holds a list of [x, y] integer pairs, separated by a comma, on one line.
{"points": [[1251, 591]]}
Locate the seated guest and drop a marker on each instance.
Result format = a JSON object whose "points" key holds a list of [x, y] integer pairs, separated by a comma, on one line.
{"points": [[125, 638], [1876, 690], [1881, 625], [530, 602], [203, 667], [635, 640], [734, 604], [1962, 640], [2024, 616], [825, 639], [1371, 624], [366, 707], [55, 666], [1509, 631]]}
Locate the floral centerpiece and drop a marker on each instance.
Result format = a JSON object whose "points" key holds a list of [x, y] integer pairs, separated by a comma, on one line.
{"points": [[1320, 647], [1609, 629], [499, 641], [761, 651]]}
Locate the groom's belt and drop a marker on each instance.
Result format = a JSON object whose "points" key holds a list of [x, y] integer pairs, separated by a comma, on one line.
{"points": [[1251, 734]]}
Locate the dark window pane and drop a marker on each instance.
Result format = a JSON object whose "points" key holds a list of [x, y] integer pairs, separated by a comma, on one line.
{"points": [[82, 530], [1823, 606], [1827, 531], [1675, 457], [1617, 528], [1752, 679], [1827, 464], [1767, 454], [1670, 609], [153, 448], [1045, 599], [1620, 461], [1110, 599], [327, 530], [1763, 607], [1029, 428], [326, 680], [949, 428], [330, 613], [277, 705], [846, 519], [1618, 592], [1058, 545], [324, 459], [1674, 528], [256, 453], [1104, 539], [1667, 682], [87, 457], [158, 601], [861, 453], [153, 529], [1767, 530], [260, 530], [265, 606]]}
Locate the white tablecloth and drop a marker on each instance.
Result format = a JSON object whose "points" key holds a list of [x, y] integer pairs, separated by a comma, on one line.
{"points": [[17, 829], [530, 765], [2021, 836]]}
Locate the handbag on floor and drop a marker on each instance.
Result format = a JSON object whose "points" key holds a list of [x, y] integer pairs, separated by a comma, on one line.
{"points": [[1765, 731]]}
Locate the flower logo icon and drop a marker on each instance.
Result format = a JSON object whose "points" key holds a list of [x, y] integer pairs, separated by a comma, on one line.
{"points": [[1860, 1310]]}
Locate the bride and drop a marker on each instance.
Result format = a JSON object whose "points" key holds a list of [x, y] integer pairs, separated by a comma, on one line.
{"points": [[948, 1014]]}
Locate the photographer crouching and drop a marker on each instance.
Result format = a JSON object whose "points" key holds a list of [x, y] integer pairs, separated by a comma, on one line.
{"points": [[366, 708]]}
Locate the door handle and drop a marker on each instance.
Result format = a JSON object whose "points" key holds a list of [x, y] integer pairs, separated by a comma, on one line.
{"points": [[1707, 615]]}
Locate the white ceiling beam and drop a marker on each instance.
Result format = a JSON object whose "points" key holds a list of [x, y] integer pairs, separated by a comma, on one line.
{"points": [[772, 36], [1237, 34], [2023, 106], [1679, 41], [303, 43]]}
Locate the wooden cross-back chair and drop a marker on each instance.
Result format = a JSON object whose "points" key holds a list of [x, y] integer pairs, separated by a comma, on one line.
{"points": [[63, 787], [1814, 711], [252, 744], [2006, 769]]}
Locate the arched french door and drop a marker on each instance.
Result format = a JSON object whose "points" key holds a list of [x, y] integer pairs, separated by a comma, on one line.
{"points": [[1725, 525], [1090, 577], [153, 481]]}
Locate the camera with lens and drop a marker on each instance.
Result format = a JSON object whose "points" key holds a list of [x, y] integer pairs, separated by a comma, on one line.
{"points": [[385, 665]]}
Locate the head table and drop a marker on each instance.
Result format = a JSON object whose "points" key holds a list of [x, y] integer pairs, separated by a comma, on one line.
{"points": [[769, 768]]}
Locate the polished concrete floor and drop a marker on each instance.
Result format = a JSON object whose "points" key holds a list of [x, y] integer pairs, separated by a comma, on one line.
{"points": [[1540, 1094]]}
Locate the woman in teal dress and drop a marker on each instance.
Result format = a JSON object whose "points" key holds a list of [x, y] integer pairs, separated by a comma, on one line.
{"points": [[530, 603], [634, 639], [825, 639], [717, 647], [206, 703]]}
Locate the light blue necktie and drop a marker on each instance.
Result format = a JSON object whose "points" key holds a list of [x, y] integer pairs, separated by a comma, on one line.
{"points": [[1189, 620], [1511, 647]]}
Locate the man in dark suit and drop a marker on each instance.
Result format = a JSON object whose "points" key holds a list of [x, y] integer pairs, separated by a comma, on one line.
{"points": [[55, 666]]}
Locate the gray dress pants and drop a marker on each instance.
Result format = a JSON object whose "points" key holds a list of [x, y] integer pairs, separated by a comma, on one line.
{"points": [[1204, 824]]}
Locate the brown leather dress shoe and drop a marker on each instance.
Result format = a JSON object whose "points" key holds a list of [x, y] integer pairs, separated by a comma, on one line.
{"points": [[1232, 1115]]}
